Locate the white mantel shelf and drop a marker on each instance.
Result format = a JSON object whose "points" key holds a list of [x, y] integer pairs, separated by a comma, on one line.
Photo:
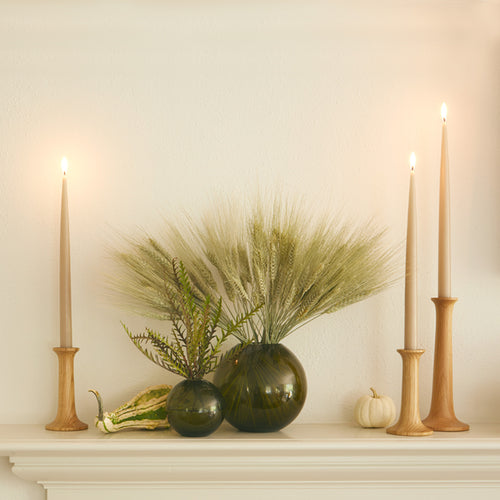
{"points": [[302, 461]]}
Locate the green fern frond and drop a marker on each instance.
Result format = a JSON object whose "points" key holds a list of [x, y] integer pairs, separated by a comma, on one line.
{"points": [[193, 349]]}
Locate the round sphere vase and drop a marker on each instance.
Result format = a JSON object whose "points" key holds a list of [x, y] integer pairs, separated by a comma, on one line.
{"points": [[195, 408], [264, 387]]}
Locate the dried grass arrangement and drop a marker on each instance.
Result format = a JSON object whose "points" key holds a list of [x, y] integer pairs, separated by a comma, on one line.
{"points": [[273, 253]]}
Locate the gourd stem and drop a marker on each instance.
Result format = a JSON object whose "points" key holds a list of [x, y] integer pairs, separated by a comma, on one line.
{"points": [[100, 414], [375, 395]]}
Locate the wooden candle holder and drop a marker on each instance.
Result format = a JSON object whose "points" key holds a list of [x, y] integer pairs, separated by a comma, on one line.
{"points": [[409, 423], [442, 415], [66, 419]]}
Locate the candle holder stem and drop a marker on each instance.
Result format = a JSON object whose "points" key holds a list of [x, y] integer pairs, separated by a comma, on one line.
{"points": [[409, 423], [66, 419], [442, 414]]}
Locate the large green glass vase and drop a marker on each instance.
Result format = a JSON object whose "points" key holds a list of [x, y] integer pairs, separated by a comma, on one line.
{"points": [[195, 408], [264, 387]]}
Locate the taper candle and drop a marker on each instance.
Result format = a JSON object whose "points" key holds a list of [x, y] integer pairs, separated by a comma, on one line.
{"points": [[64, 266], [444, 250], [411, 265]]}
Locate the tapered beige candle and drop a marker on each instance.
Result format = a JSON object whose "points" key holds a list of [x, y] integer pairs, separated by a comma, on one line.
{"points": [[444, 251], [64, 266], [411, 265]]}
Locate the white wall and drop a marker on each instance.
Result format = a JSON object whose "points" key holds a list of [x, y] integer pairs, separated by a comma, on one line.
{"points": [[161, 105]]}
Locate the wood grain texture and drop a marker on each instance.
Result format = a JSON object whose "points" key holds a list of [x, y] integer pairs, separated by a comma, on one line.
{"points": [[409, 423], [66, 419], [442, 414]]}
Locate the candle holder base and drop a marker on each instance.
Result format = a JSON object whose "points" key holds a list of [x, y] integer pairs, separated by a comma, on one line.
{"points": [[409, 423], [412, 429], [442, 414], [66, 418], [445, 424]]}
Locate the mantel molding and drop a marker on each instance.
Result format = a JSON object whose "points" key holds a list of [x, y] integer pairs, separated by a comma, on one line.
{"points": [[319, 459]]}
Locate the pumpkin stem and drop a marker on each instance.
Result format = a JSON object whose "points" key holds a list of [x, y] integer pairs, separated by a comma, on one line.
{"points": [[100, 414], [375, 395]]}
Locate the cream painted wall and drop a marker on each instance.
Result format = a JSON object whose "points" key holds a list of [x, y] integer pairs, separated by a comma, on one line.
{"points": [[161, 105]]}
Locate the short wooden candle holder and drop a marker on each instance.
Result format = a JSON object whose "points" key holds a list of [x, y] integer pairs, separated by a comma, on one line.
{"points": [[409, 423], [442, 414], [66, 419]]}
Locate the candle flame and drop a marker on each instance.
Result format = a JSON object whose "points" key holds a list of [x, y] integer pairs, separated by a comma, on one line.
{"points": [[64, 165], [413, 160], [444, 110]]}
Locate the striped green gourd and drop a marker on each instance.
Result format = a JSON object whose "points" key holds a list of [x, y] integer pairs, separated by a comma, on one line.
{"points": [[146, 410]]}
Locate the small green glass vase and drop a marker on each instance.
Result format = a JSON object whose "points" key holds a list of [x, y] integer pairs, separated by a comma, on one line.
{"points": [[264, 387], [195, 408]]}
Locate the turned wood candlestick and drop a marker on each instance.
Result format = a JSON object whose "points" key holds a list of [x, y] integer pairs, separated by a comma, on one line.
{"points": [[409, 423], [442, 414], [66, 419]]}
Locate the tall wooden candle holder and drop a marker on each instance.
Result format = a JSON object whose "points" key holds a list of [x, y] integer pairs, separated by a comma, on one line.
{"points": [[66, 419], [409, 423], [442, 414]]}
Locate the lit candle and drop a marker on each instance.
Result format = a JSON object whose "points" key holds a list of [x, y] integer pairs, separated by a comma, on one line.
{"points": [[411, 266], [64, 266], [444, 255]]}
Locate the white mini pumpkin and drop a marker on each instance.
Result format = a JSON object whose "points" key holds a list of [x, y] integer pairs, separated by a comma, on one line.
{"points": [[374, 410]]}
